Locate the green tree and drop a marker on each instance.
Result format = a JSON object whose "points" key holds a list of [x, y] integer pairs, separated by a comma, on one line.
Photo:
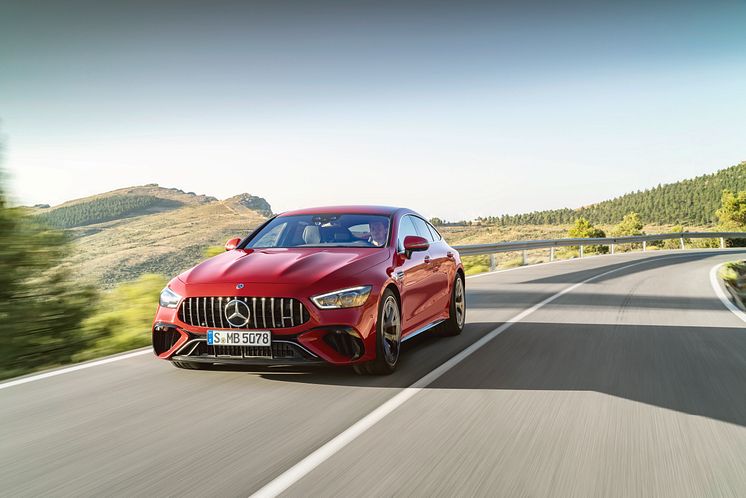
{"points": [[631, 224], [41, 307], [691, 201], [732, 213], [584, 229]]}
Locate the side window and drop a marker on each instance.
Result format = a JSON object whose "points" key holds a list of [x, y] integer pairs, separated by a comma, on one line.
{"points": [[405, 228], [422, 229], [436, 234]]}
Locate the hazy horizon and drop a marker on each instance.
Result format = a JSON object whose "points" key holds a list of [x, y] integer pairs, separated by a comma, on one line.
{"points": [[456, 110], [269, 199]]}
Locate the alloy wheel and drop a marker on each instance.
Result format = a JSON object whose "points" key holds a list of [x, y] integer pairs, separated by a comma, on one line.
{"points": [[460, 302], [391, 328]]}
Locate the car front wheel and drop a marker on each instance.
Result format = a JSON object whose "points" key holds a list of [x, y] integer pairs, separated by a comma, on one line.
{"points": [[388, 338]]}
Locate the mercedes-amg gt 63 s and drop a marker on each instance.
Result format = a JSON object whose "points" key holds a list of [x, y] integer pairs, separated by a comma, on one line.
{"points": [[341, 285]]}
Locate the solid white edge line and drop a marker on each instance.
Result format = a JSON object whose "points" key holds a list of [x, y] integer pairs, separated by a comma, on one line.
{"points": [[302, 468], [720, 293], [74, 368]]}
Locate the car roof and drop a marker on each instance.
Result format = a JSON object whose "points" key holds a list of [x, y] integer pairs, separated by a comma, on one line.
{"points": [[356, 209]]}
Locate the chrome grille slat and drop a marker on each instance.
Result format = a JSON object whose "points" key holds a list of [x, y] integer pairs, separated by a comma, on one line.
{"points": [[256, 323], [277, 313]]}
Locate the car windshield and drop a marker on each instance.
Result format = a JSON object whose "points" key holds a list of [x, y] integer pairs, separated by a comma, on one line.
{"points": [[323, 230]]}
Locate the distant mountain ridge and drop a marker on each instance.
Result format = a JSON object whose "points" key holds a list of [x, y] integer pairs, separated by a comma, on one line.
{"points": [[120, 235], [689, 202], [131, 202]]}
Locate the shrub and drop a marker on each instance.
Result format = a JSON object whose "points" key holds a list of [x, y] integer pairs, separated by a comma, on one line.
{"points": [[584, 229]]}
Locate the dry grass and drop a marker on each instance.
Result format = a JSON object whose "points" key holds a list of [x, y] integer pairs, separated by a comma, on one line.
{"points": [[164, 243], [463, 235]]}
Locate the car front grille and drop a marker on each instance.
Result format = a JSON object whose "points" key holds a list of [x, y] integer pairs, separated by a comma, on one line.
{"points": [[264, 312]]}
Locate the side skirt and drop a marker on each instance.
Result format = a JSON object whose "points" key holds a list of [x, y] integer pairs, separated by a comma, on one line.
{"points": [[423, 329]]}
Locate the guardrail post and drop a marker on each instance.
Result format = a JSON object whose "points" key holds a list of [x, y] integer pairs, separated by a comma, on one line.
{"points": [[644, 245], [612, 248], [493, 263], [722, 242], [682, 242], [551, 253], [581, 251], [525, 258]]}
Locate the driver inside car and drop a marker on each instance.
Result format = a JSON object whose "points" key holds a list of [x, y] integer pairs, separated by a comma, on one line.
{"points": [[378, 232]]}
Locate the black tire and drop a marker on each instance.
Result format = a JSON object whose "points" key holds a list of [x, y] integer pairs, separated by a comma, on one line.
{"points": [[388, 338], [188, 365], [455, 323]]}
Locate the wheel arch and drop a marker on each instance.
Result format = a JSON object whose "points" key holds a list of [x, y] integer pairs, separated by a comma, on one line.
{"points": [[395, 290]]}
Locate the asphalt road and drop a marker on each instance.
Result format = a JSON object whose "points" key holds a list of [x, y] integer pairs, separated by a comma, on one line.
{"points": [[632, 384]]}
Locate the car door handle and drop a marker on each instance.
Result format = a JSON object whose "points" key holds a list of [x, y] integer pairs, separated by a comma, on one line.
{"points": [[449, 254], [427, 259]]}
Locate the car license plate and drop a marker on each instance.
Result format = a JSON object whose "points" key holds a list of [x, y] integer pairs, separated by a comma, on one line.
{"points": [[239, 338]]}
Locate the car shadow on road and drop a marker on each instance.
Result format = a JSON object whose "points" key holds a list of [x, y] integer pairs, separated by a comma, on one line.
{"points": [[695, 370]]}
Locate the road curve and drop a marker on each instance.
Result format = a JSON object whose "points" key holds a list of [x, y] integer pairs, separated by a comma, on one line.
{"points": [[631, 384]]}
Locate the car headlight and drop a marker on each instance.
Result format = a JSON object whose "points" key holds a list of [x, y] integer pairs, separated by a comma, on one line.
{"points": [[169, 299], [345, 298]]}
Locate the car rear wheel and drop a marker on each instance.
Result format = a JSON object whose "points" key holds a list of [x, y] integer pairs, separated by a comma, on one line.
{"points": [[188, 365], [388, 338], [455, 323]]}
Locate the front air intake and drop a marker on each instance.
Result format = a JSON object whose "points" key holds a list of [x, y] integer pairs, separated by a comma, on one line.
{"points": [[345, 343], [164, 338]]}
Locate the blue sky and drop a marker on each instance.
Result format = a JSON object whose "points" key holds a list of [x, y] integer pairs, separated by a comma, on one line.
{"points": [[457, 109]]}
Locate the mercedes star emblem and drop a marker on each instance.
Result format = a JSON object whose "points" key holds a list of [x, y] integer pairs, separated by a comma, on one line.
{"points": [[237, 313]]}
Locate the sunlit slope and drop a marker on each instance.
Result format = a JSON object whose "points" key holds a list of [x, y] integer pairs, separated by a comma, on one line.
{"points": [[117, 204], [163, 242]]}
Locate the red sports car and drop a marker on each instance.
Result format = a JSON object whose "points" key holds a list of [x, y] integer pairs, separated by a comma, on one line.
{"points": [[339, 285]]}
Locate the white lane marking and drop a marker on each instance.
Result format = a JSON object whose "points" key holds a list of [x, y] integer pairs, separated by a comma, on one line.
{"points": [[719, 292], [300, 469], [74, 368]]}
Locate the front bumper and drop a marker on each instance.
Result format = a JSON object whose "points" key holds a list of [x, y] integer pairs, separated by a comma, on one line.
{"points": [[286, 351], [337, 337]]}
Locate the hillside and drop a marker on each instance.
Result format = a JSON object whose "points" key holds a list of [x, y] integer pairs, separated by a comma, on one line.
{"points": [[122, 234], [687, 202], [118, 204]]}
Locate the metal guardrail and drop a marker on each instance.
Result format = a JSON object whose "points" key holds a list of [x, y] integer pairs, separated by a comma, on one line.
{"points": [[552, 244]]}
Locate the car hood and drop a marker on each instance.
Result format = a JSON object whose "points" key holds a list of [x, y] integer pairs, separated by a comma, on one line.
{"points": [[279, 265]]}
